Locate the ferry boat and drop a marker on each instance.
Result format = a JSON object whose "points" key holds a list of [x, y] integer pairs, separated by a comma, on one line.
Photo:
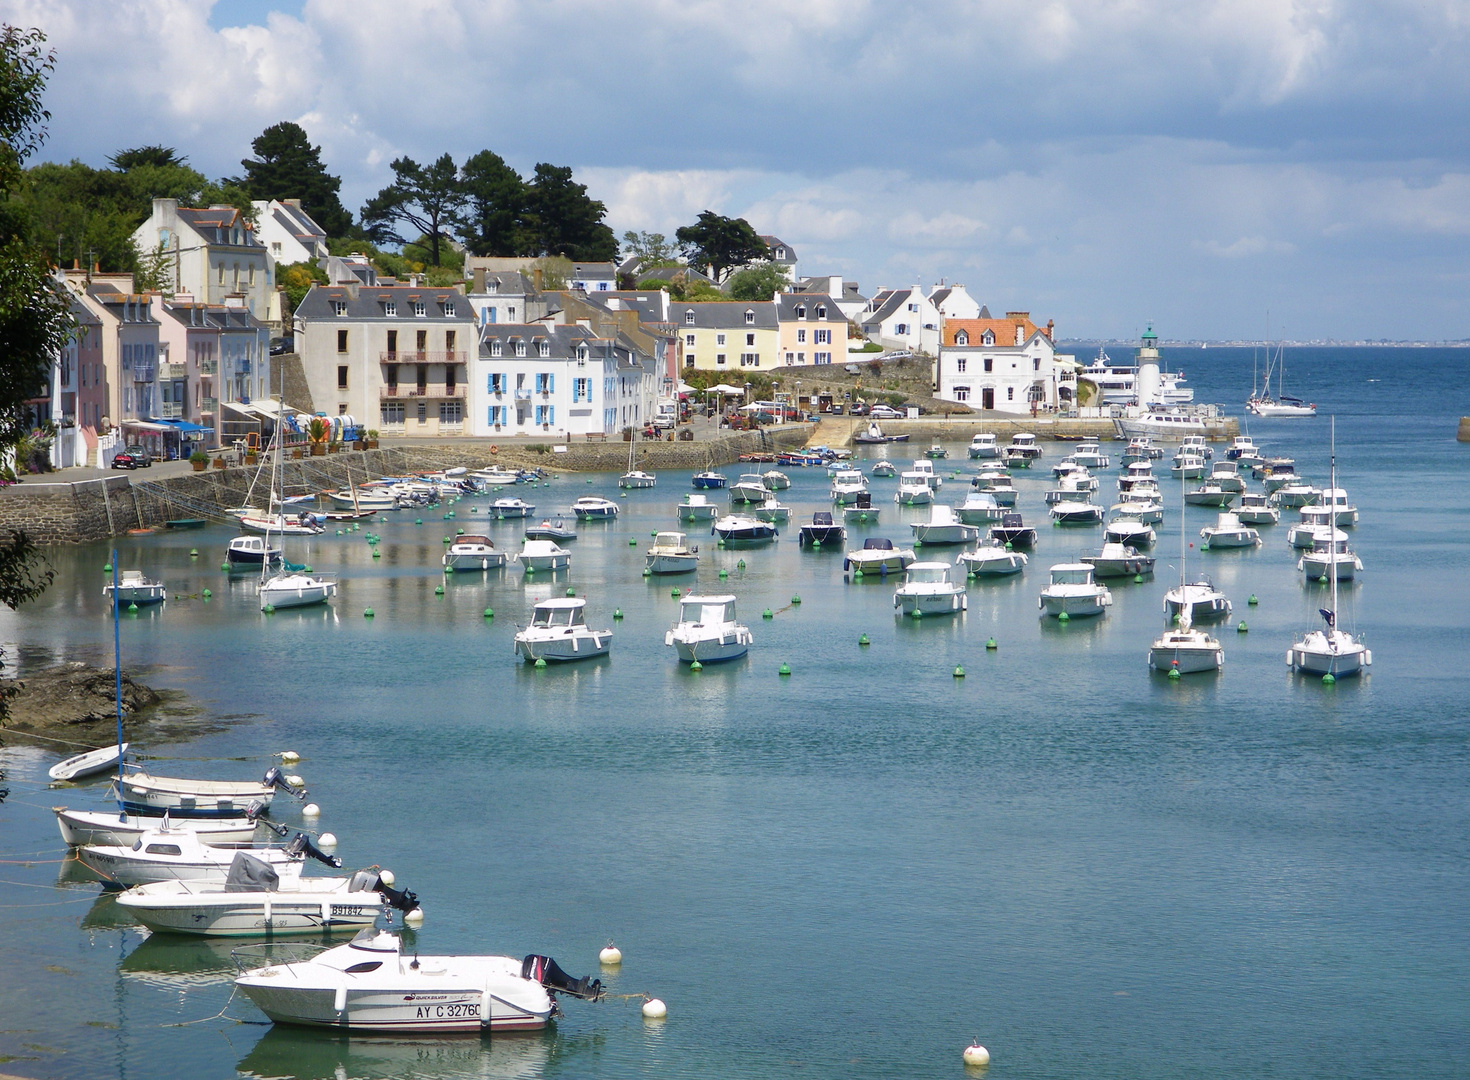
{"points": [[1117, 384]]}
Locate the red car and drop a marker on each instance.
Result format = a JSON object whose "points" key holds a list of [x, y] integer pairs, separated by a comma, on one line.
{"points": [[132, 457]]}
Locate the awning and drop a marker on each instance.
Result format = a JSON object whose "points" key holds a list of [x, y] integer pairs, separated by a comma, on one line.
{"points": [[725, 388], [144, 425], [183, 425], [685, 388]]}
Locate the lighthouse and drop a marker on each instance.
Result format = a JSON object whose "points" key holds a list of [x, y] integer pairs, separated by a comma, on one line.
{"points": [[1146, 382]]}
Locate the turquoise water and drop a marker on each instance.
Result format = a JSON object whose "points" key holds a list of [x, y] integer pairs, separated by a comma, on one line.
{"points": [[856, 869]]}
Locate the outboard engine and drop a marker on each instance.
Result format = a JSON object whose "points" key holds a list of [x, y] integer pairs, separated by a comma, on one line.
{"points": [[549, 974], [275, 778], [302, 845]]}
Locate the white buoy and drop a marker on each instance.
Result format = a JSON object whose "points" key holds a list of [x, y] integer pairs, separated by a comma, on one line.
{"points": [[975, 1054], [386, 877], [294, 780], [611, 955], [414, 918], [654, 1009], [327, 842], [311, 809], [289, 757]]}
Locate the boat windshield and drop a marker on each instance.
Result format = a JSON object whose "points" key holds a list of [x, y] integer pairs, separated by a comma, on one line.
{"points": [[557, 616], [927, 575], [1072, 576], [669, 540], [707, 614]]}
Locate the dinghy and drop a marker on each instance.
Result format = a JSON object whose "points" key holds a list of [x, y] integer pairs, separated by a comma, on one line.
{"points": [[88, 764]]}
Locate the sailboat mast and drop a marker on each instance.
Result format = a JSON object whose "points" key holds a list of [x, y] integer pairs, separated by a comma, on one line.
{"points": [[271, 500], [117, 676], [1332, 521]]}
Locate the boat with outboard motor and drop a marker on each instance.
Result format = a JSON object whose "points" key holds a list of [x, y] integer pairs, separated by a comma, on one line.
{"points": [[710, 480], [861, 510], [697, 507], [1130, 531], [550, 529], [1118, 560], [559, 631], [510, 507], [594, 508], [750, 488], [135, 588], [878, 555], [1228, 532], [1013, 531], [473, 551], [543, 555], [109, 828], [821, 532], [944, 527], [1073, 592], [143, 792], [992, 560], [174, 852], [671, 553], [743, 529], [707, 630], [927, 590]]}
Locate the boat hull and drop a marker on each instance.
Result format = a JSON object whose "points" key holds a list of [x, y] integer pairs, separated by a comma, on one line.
{"points": [[671, 564], [301, 594], [562, 647], [156, 795], [447, 1010], [88, 764], [1320, 568], [106, 829], [1127, 567], [180, 910], [946, 534], [1218, 539], [142, 595], [1074, 607], [710, 650], [864, 514], [931, 603], [485, 561], [1011, 562], [698, 513], [892, 562], [545, 562], [1076, 514], [1187, 661], [1320, 658], [825, 535]]}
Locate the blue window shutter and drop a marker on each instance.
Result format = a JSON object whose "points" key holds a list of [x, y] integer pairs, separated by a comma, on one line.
{"points": [[551, 384], [551, 415]]}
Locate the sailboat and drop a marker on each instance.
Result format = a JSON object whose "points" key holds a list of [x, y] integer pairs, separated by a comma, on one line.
{"points": [[1263, 404], [1331, 652], [291, 585], [1182, 648], [635, 478]]}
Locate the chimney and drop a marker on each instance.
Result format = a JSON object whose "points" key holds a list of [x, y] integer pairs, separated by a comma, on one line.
{"points": [[1050, 327], [537, 276], [292, 202], [479, 279]]}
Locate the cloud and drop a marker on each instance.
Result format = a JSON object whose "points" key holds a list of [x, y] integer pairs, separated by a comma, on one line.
{"points": [[1246, 247]]}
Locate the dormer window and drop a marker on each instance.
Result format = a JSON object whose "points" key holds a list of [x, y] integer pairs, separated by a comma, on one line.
{"points": [[1020, 335], [544, 349], [801, 313], [339, 308], [962, 338], [749, 317], [821, 312], [390, 309], [496, 348], [689, 317], [449, 309], [582, 352], [989, 338], [520, 348], [420, 310]]}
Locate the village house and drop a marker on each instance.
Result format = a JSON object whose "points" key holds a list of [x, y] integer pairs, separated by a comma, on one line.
{"points": [[212, 254], [1007, 365], [288, 232], [902, 319], [727, 335], [211, 356], [953, 302], [811, 329]]}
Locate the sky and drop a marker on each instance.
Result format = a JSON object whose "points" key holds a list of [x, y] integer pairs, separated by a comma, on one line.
{"points": [[1201, 165]]}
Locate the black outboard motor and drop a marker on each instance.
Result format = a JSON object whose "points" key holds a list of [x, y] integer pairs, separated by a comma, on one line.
{"points": [[302, 845], [275, 778], [549, 974]]}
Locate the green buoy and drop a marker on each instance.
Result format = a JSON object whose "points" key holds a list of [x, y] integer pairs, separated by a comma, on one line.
{"points": [[540, 662], [367, 613], [132, 606], [1138, 579], [571, 592], [449, 569], [916, 614], [970, 576], [740, 565], [796, 601], [207, 594], [269, 609], [589, 480], [675, 593], [695, 665], [449, 540], [489, 613], [647, 572], [767, 614], [1241, 627], [107, 568], [438, 590], [1173, 673], [224, 566], [724, 574], [377, 554], [1064, 617], [857, 574], [990, 645], [193, 553], [632, 541], [1253, 601], [863, 640], [1328, 679], [617, 613], [458, 532], [784, 669], [918, 543], [418, 521], [959, 671]]}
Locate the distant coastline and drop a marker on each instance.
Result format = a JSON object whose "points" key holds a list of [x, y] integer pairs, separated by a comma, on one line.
{"points": [[1200, 343]]}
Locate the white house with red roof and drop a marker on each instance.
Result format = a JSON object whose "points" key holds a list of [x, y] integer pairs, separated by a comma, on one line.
{"points": [[1005, 365]]}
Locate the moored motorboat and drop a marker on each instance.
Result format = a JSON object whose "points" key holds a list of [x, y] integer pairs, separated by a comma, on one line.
{"points": [[1331, 507], [750, 488], [1118, 560], [1209, 494], [776, 480], [511, 508], [594, 508], [944, 527], [1189, 467], [143, 792], [1256, 509], [821, 532], [878, 555], [376, 500], [709, 479], [1242, 446], [913, 490], [1131, 531], [1073, 592], [1304, 535], [997, 484], [847, 485], [1226, 475], [108, 827], [1329, 556], [884, 468], [543, 555], [551, 529], [559, 632], [1090, 456], [992, 560], [1013, 531], [980, 508], [1295, 493], [473, 551], [983, 447], [1228, 532], [670, 553], [250, 551], [861, 511], [1024, 443], [134, 588], [1200, 599], [927, 590], [743, 529], [936, 451], [1069, 512], [697, 507], [773, 510], [707, 630], [173, 852]]}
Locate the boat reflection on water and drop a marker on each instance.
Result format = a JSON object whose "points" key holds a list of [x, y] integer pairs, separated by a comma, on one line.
{"points": [[178, 963], [303, 1054]]}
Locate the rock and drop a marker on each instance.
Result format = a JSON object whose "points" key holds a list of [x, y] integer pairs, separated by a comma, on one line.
{"points": [[70, 694]]}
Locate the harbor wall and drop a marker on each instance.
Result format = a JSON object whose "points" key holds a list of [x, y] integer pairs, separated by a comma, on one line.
{"points": [[71, 513], [839, 430]]}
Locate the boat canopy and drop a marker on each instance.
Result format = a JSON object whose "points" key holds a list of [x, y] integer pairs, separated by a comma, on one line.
{"points": [[821, 517], [927, 573], [1071, 574], [877, 543], [1011, 521]]}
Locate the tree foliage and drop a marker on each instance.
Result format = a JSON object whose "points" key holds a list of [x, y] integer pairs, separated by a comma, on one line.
{"points": [[564, 221], [296, 279], [427, 197], [759, 282], [653, 249], [492, 219], [159, 157], [683, 288], [287, 166], [721, 243]]}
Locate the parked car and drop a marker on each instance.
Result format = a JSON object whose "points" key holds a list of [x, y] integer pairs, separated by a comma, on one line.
{"points": [[132, 457], [851, 369], [886, 412], [282, 345], [858, 409]]}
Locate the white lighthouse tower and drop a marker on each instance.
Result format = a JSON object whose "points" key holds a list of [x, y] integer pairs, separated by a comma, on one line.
{"points": [[1147, 382]]}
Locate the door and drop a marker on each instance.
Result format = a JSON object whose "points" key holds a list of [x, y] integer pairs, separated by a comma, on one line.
{"points": [[987, 398]]}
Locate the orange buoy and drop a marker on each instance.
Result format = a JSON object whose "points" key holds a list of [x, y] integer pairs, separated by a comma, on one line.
{"points": [[494, 449]]}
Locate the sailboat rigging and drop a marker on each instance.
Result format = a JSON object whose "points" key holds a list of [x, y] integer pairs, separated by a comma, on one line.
{"points": [[292, 585]]}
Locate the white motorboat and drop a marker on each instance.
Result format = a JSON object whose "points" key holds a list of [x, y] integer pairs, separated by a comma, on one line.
{"points": [[594, 508], [256, 901], [637, 478], [1142, 449], [1136, 472], [1256, 509], [1090, 456], [992, 560], [375, 500], [821, 532], [847, 485], [927, 590], [1148, 511], [543, 555], [1329, 555], [511, 507], [1141, 490], [1226, 475], [1118, 560], [936, 451], [1162, 422], [1275, 471], [1074, 593], [1186, 650], [774, 511], [473, 551], [1196, 445], [1072, 487], [143, 792], [1209, 494], [496, 475], [1024, 443], [133, 588], [983, 447], [559, 631], [1228, 532], [1242, 446], [295, 588], [944, 527], [743, 529], [1011, 458], [980, 508], [1295, 493], [176, 853], [1189, 467], [913, 490], [1013, 532], [776, 480], [670, 553], [1330, 508], [109, 828], [996, 483], [710, 480], [751, 488], [1130, 531], [550, 529], [251, 551], [1303, 535], [299, 524], [371, 985], [103, 759], [1200, 599], [925, 468], [862, 511], [884, 468], [1069, 512], [707, 630], [878, 555], [697, 507]]}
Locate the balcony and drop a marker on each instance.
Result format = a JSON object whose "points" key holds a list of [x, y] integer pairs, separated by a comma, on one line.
{"points": [[171, 410], [427, 356], [210, 405], [522, 394], [173, 371], [405, 391], [209, 367]]}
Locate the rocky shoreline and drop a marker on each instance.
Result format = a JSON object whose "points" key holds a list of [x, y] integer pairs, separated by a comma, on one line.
{"points": [[72, 697]]}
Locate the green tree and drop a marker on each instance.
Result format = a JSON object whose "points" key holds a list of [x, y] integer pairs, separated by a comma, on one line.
{"points": [[556, 272], [163, 157], [491, 222], [683, 288], [426, 197], [758, 282], [653, 249], [155, 271], [297, 279], [564, 221], [720, 243], [287, 166]]}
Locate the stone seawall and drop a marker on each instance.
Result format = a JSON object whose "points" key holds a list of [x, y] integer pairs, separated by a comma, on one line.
{"points": [[109, 506], [838, 431]]}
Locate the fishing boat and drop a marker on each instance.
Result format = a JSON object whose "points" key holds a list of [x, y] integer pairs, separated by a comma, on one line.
{"points": [[543, 555], [559, 632], [884, 468], [108, 827], [1226, 475], [936, 452], [510, 507], [1013, 531], [913, 490], [1024, 444], [1331, 507], [1295, 493], [773, 510], [776, 480], [707, 630], [670, 553], [1209, 494], [878, 555], [1073, 592], [256, 901], [1013, 458], [89, 763], [1228, 532], [980, 508], [983, 447], [1256, 509], [847, 485], [710, 479], [697, 507], [249, 552], [997, 484], [992, 560], [1069, 512], [1304, 534], [1276, 471], [1090, 456], [925, 468], [1118, 560], [134, 588], [821, 532], [550, 529], [1142, 448], [861, 511], [1188, 467], [742, 529], [473, 551], [944, 527], [372, 985], [927, 590], [594, 508], [1329, 556], [143, 792], [1129, 531], [174, 853], [1330, 651]]}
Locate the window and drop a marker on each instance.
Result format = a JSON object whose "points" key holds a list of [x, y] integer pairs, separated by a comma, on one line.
{"points": [[421, 340], [342, 408], [496, 348], [582, 356], [236, 278], [496, 415], [423, 412], [449, 309], [801, 337], [510, 313], [689, 317], [822, 358], [420, 311], [989, 363], [801, 358], [392, 378], [962, 338], [719, 360], [1020, 336], [390, 309], [221, 269], [545, 383], [961, 364], [988, 339], [901, 328], [545, 415], [801, 312], [392, 342], [581, 390], [341, 340], [689, 340], [495, 384], [719, 339], [822, 337], [1036, 363], [543, 349], [821, 312], [749, 317], [749, 339], [252, 276], [339, 308], [341, 376], [451, 377], [689, 360], [750, 359], [913, 307], [451, 412], [1010, 393], [962, 393], [520, 348]]}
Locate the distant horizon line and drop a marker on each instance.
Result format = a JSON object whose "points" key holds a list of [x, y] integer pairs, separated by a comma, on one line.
{"points": [[1197, 343]]}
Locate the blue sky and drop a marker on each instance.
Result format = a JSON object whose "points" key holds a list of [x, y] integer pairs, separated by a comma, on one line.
{"points": [[1104, 163]]}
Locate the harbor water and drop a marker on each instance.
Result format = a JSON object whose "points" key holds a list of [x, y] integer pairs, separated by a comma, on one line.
{"points": [[853, 870]]}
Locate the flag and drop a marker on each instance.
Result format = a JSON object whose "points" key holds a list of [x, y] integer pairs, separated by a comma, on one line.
{"points": [[1331, 619]]}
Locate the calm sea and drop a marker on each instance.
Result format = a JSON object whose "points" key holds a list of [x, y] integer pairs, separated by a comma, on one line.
{"points": [[855, 870]]}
